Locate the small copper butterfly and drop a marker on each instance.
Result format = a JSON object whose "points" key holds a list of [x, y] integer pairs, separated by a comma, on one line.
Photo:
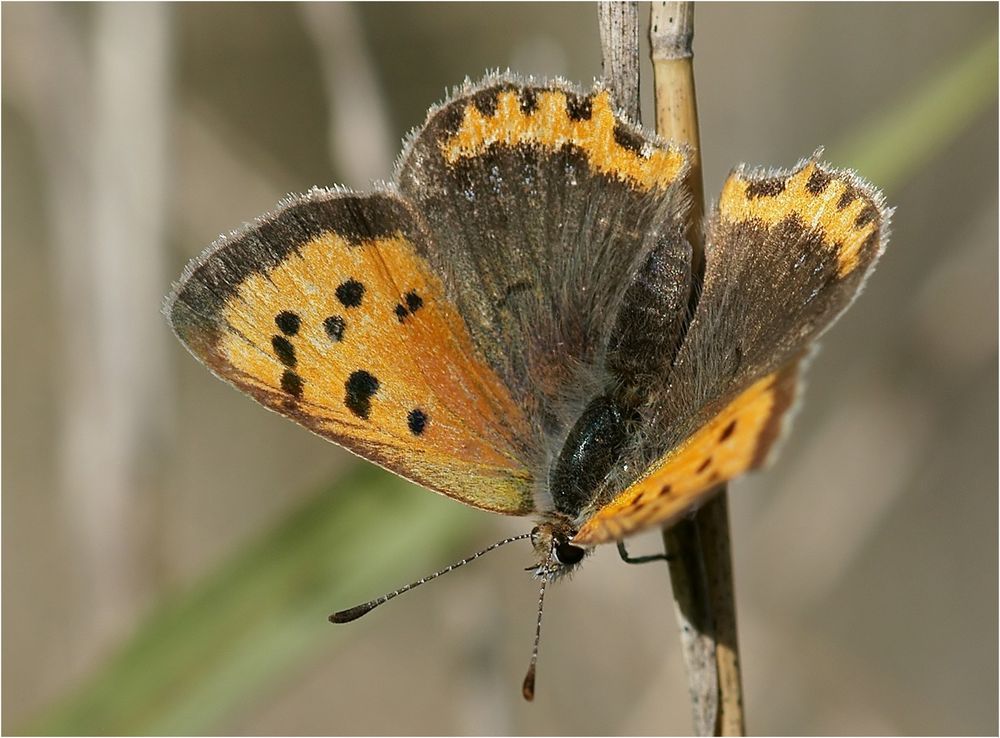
{"points": [[514, 321]]}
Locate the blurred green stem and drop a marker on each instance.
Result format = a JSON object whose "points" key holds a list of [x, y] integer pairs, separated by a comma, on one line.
{"points": [[209, 650], [898, 143]]}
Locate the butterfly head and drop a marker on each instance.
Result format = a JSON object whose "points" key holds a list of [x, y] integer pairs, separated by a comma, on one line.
{"points": [[557, 557]]}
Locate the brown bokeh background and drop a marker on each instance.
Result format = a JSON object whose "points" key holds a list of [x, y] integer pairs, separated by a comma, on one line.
{"points": [[866, 558]]}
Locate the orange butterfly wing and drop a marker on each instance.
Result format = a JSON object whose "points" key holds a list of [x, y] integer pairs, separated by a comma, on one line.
{"points": [[734, 441], [326, 312], [786, 254]]}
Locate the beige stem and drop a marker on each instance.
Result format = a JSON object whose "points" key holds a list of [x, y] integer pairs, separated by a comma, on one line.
{"points": [[701, 559]]}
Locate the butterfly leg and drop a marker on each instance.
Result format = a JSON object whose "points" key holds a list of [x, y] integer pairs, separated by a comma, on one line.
{"points": [[639, 559]]}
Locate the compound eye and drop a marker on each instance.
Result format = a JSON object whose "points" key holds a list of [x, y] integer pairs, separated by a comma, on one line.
{"points": [[568, 554], [534, 534]]}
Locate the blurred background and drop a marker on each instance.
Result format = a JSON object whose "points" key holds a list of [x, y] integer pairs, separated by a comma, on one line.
{"points": [[171, 550]]}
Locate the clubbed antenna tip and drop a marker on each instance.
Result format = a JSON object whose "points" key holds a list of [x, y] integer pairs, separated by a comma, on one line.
{"points": [[528, 687], [353, 613]]}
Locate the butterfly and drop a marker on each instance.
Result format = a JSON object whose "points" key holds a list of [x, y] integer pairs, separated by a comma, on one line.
{"points": [[516, 322]]}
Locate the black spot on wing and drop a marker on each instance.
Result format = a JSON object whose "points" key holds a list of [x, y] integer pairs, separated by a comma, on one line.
{"points": [[849, 196], [728, 430], [334, 327], [288, 322], [818, 181], [529, 100], [292, 383], [412, 302], [416, 421], [350, 293], [284, 350], [628, 139], [765, 187], [579, 108], [361, 386]]}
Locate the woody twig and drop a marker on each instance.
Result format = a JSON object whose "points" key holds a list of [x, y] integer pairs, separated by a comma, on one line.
{"points": [[700, 566], [619, 27], [701, 561]]}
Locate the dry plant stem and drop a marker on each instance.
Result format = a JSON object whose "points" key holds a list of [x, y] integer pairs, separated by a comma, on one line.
{"points": [[700, 570], [671, 31], [619, 26], [701, 559]]}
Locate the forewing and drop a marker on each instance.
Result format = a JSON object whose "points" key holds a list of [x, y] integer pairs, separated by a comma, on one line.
{"points": [[326, 313], [786, 254]]}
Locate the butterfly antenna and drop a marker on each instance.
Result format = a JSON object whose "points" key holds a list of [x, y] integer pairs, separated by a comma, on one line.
{"points": [[353, 613], [528, 688]]}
